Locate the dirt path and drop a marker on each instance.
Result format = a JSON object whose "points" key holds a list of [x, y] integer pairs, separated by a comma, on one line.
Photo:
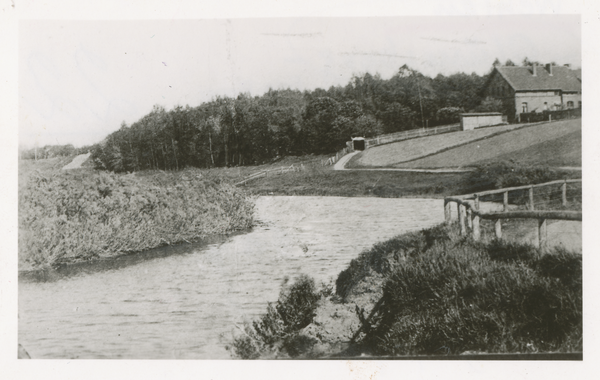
{"points": [[341, 165], [77, 162]]}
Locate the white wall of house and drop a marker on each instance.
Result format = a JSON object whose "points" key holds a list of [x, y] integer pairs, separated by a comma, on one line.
{"points": [[572, 97], [537, 101]]}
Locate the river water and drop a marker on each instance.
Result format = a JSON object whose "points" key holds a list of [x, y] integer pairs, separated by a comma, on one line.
{"points": [[185, 304]]}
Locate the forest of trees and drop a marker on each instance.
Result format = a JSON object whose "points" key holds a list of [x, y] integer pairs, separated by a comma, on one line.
{"points": [[249, 130]]}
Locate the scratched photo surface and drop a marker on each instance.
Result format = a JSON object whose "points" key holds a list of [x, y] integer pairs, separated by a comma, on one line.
{"points": [[301, 188]]}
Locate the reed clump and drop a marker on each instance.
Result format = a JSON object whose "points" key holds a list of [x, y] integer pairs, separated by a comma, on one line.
{"points": [[82, 214]]}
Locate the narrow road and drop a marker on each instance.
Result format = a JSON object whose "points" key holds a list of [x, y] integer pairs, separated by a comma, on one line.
{"points": [[341, 165]]}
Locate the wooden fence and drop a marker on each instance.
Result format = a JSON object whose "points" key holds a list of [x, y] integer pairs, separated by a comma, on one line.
{"points": [[470, 213], [266, 173], [392, 137], [336, 158], [410, 134]]}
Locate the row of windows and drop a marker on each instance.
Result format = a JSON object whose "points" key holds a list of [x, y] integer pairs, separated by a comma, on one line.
{"points": [[525, 109], [503, 91]]}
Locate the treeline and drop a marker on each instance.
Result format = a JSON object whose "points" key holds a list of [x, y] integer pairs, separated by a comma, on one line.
{"points": [[248, 130], [50, 151]]}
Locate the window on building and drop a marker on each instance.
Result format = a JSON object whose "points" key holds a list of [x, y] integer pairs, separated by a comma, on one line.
{"points": [[569, 104], [579, 103], [524, 107]]}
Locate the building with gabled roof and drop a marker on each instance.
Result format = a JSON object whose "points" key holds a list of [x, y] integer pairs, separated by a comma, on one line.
{"points": [[524, 89]]}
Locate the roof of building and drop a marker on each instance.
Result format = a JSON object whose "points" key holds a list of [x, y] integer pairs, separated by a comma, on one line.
{"points": [[521, 78], [481, 114]]}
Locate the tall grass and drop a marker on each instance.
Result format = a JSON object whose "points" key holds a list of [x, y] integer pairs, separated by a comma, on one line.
{"points": [[441, 294], [467, 296], [81, 215]]}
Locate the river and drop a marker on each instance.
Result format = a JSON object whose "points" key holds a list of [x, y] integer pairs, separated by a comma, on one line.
{"points": [[184, 302]]}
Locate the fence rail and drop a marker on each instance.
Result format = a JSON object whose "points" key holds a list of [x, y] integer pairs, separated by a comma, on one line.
{"points": [[405, 135], [469, 208], [392, 137], [332, 160], [266, 173]]}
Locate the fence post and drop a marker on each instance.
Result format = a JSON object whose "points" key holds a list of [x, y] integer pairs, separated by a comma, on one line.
{"points": [[447, 211], [531, 205], [564, 194], [476, 203], [505, 201], [542, 233], [461, 219], [498, 227], [469, 220], [476, 231]]}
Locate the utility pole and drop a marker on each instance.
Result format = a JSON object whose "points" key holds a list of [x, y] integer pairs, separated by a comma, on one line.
{"points": [[421, 104]]}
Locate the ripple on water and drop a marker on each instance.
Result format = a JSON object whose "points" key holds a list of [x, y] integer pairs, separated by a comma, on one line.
{"points": [[186, 305]]}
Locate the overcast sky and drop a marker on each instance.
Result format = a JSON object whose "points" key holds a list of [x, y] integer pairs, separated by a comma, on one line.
{"points": [[78, 80]]}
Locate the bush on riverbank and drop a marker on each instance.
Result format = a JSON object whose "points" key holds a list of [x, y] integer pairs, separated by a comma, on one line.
{"points": [[440, 293], [276, 333], [503, 174], [458, 295], [67, 216]]}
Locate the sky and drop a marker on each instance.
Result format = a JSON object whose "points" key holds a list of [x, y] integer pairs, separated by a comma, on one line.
{"points": [[79, 80]]}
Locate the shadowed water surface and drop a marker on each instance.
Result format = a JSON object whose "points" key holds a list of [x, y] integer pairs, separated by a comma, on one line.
{"points": [[185, 304]]}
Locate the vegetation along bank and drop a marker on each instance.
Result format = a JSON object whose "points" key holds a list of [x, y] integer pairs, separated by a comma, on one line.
{"points": [[431, 292], [80, 215]]}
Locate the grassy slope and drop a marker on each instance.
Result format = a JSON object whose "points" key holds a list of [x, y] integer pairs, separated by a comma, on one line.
{"points": [[536, 144], [556, 144], [326, 181], [561, 151], [390, 154]]}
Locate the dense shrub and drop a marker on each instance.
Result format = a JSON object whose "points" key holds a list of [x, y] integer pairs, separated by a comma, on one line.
{"points": [[500, 297], [81, 215], [509, 173], [382, 256], [277, 331]]}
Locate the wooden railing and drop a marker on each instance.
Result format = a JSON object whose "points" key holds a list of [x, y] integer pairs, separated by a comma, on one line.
{"points": [[332, 160], [410, 134], [469, 213], [266, 173]]}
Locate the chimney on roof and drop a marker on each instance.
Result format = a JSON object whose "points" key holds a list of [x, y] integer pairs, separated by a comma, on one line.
{"points": [[534, 69], [549, 68]]}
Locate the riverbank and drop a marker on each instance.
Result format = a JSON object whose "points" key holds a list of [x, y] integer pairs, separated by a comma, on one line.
{"points": [[82, 214], [184, 301], [429, 293]]}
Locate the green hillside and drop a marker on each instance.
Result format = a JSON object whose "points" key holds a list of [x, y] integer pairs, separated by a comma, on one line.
{"points": [[552, 144]]}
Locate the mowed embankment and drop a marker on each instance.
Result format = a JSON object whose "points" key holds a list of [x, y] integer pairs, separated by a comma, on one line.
{"points": [[553, 144]]}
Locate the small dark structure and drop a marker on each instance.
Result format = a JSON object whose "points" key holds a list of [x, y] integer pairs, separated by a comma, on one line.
{"points": [[358, 143]]}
